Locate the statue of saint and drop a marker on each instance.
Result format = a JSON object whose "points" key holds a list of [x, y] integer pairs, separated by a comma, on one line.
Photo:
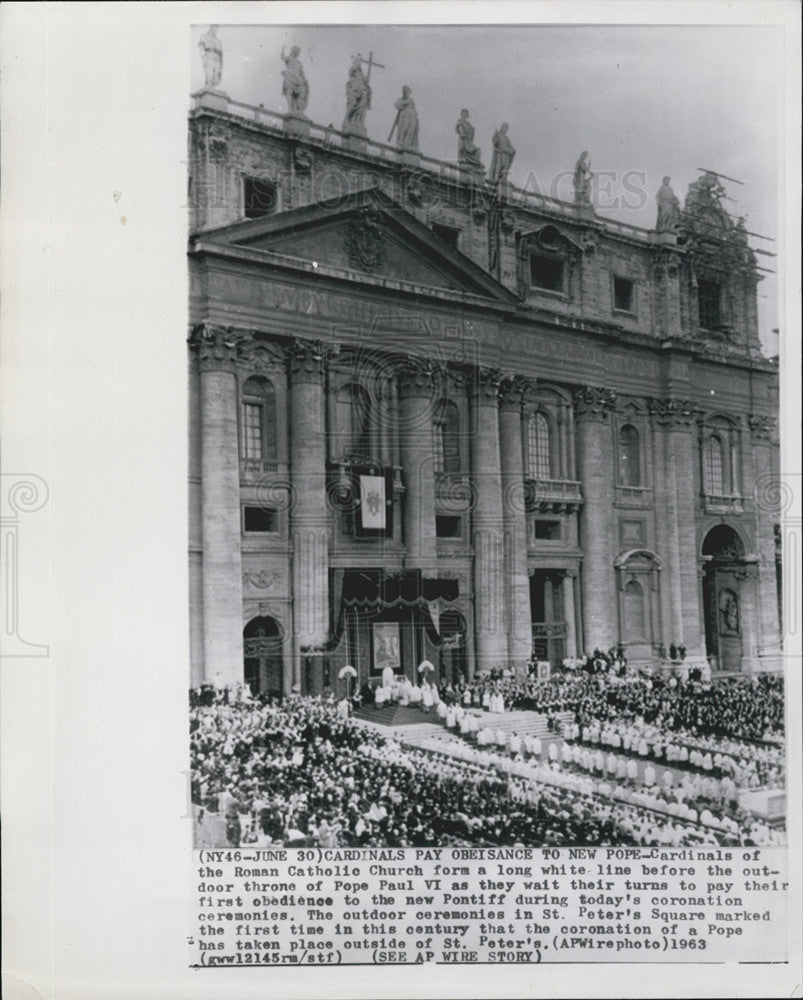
{"points": [[668, 209], [468, 155], [211, 56], [406, 123], [294, 87], [503, 154], [582, 180], [358, 98]]}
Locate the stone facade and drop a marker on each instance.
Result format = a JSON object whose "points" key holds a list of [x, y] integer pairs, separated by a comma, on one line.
{"points": [[434, 418]]}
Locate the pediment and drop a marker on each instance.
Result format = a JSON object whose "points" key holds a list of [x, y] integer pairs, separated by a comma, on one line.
{"points": [[364, 234]]}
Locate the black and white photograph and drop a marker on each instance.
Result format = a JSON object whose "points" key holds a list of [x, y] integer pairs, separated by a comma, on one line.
{"points": [[483, 437], [400, 499]]}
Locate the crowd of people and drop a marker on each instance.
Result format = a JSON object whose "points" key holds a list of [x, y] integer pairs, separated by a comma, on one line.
{"points": [[304, 772]]}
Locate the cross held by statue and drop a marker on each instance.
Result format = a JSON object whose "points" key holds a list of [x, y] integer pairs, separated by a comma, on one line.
{"points": [[369, 62]]}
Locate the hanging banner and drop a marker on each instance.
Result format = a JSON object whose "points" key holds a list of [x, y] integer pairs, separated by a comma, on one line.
{"points": [[372, 502]]}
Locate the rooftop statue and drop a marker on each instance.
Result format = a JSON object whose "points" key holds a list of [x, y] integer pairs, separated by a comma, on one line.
{"points": [[468, 155], [582, 180], [406, 123], [294, 87], [704, 193], [668, 209], [211, 56], [503, 154], [358, 98]]}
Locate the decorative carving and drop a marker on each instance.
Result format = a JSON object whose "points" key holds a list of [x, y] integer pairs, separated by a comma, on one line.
{"points": [[262, 579], [486, 383], [302, 160], [593, 402], [215, 347], [502, 156], [365, 240], [512, 391], [674, 412], [507, 221], [761, 426], [468, 155], [406, 123], [307, 360], [416, 378], [415, 191], [211, 57], [665, 263], [668, 218], [260, 355], [294, 83]]}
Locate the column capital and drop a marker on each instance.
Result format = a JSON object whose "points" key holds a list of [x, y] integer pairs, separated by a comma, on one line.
{"points": [[215, 347], [761, 426], [680, 413], [486, 383], [416, 378], [512, 392], [307, 359], [594, 403]]}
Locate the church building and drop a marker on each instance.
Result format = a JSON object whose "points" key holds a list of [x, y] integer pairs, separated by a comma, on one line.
{"points": [[435, 417]]}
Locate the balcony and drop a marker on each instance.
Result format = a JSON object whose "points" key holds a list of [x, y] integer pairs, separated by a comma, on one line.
{"points": [[552, 496], [720, 503], [633, 496], [252, 470]]}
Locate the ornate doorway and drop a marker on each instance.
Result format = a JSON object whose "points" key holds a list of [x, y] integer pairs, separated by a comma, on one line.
{"points": [[262, 649], [723, 598]]}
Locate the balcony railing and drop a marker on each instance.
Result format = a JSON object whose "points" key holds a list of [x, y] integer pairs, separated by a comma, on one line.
{"points": [[634, 496], [553, 496], [252, 469], [720, 503]]}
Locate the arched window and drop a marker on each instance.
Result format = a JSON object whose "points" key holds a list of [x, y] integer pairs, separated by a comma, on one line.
{"points": [[258, 420], [713, 466], [446, 437], [539, 462], [629, 460], [353, 420], [634, 618]]}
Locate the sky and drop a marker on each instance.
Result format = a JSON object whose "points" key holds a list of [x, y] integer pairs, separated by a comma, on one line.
{"points": [[646, 101]]}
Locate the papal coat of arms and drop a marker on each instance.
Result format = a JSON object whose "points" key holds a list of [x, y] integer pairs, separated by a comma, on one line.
{"points": [[365, 240]]}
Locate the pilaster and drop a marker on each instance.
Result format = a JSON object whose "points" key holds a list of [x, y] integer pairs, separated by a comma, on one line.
{"points": [[595, 460], [417, 389], [221, 565], [517, 590], [488, 523]]}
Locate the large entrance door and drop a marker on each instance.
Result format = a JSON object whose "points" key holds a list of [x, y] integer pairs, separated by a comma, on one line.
{"points": [[548, 616], [262, 649], [723, 578]]}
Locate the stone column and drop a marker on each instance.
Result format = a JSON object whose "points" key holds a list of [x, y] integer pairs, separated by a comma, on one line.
{"points": [[678, 420], [488, 523], [766, 492], [308, 512], [568, 613], [596, 470], [416, 411], [517, 584], [221, 564]]}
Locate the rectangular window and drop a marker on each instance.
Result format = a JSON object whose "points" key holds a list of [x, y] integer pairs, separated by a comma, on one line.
{"points": [[259, 519], [447, 233], [708, 299], [447, 526], [252, 430], [623, 297], [547, 531], [260, 198], [546, 273]]}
